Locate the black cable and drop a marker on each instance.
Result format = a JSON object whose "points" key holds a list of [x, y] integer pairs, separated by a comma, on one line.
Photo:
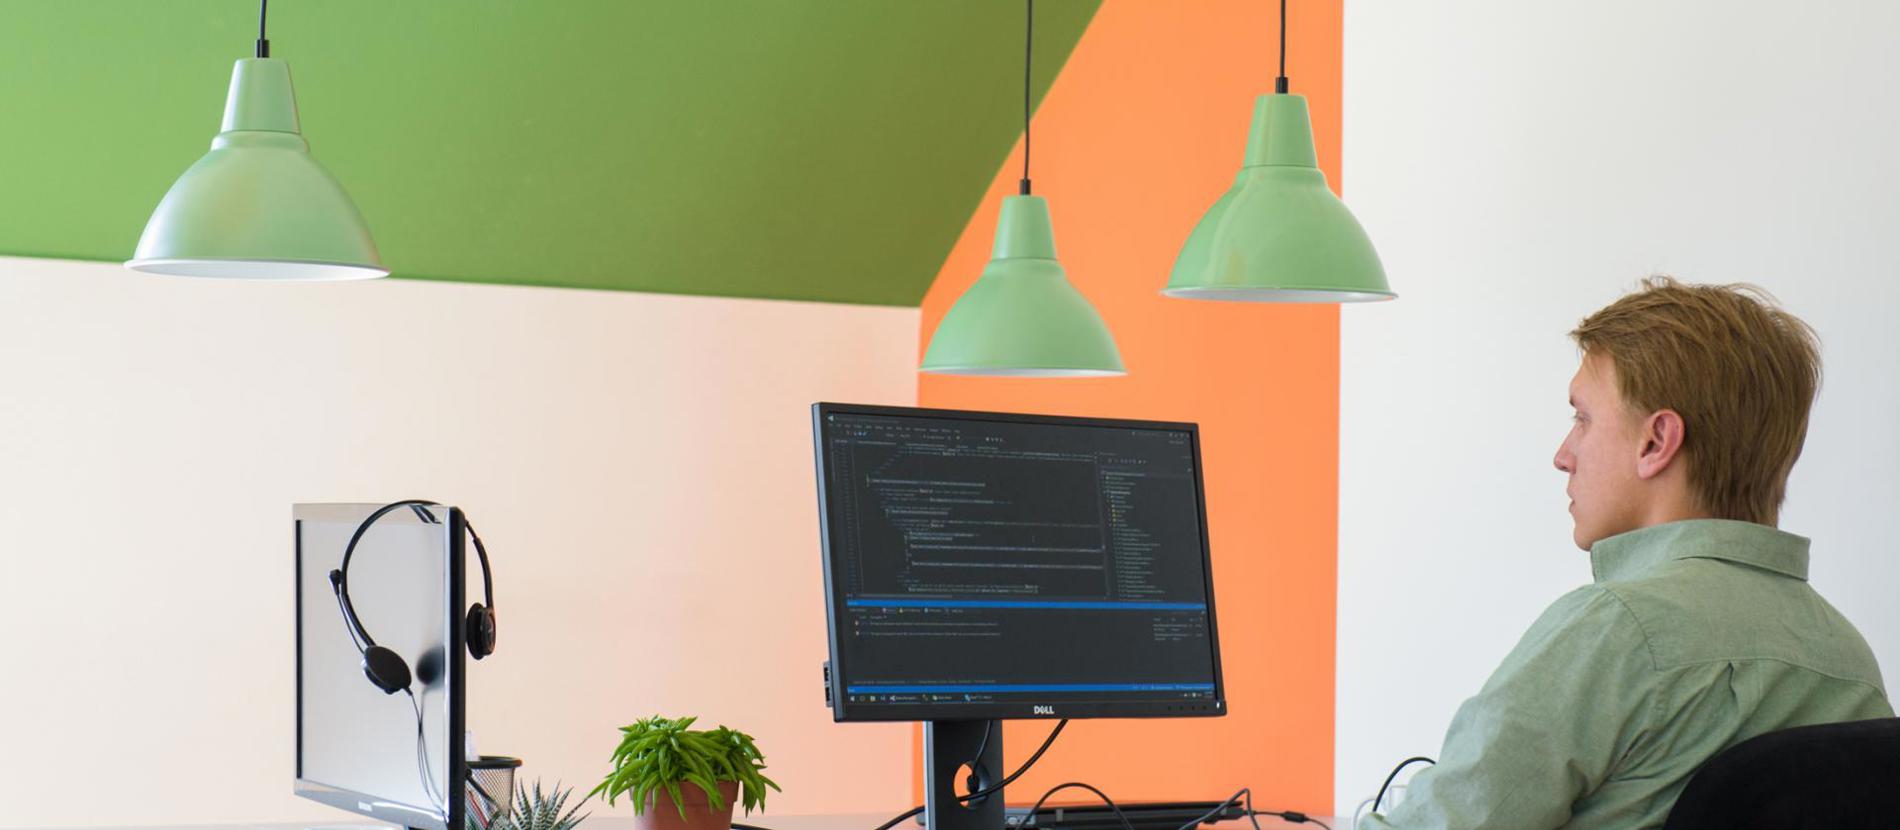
{"points": [[1031, 819], [1245, 799], [981, 748], [1279, 83], [422, 758], [1029, 51], [1292, 817], [1246, 793], [263, 45], [998, 786], [1395, 773]]}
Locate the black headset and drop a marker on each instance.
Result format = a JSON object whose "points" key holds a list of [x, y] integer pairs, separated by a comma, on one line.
{"points": [[383, 666]]}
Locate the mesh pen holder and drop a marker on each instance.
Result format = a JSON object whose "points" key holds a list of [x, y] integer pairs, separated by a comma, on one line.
{"points": [[491, 788]]}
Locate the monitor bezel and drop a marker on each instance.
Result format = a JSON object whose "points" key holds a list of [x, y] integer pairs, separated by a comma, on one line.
{"points": [[1055, 707], [370, 804]]}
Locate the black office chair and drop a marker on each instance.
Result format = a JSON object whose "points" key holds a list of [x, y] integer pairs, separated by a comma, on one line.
{"points": [[1839, 776]]}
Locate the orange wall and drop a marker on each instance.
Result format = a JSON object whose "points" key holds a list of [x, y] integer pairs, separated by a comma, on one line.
{"points": [[1143, 129]]}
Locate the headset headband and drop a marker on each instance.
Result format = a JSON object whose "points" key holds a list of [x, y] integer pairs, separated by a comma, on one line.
{"points": [[340, 578]]}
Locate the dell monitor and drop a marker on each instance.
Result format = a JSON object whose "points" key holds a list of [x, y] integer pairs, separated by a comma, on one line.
{"points": [[389, 755], [984, 566]]}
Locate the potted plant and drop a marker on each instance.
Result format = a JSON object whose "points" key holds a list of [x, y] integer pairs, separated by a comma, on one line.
{"points": [[664, 755]]}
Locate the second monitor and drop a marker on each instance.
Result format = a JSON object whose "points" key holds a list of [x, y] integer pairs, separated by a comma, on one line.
{"points": [[985, 566]]}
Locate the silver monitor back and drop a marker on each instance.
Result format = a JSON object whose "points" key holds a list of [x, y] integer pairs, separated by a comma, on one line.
{"points": [[386, 756]]}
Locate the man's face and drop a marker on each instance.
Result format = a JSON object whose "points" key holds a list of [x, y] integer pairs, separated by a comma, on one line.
{"points": [[1600, 454]]}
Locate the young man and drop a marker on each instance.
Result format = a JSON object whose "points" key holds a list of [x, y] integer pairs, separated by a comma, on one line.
{"points": [[1700, 630]]}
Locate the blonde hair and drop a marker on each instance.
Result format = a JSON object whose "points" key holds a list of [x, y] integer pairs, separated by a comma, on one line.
{"points": [[1740, 371]]}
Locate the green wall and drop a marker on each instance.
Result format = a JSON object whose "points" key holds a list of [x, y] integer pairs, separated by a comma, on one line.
{"points": [[818, 149]]}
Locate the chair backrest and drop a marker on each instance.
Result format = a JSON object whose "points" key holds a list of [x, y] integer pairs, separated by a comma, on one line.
{"points": [[1839, 776]]}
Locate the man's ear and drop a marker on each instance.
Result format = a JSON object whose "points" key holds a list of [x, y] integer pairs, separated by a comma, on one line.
{"points": [[1661, 440]]}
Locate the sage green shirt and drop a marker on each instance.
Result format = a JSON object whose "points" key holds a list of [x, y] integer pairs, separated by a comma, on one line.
{"points": [[1696, 635]]}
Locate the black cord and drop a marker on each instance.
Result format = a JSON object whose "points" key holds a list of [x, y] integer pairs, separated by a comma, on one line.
{"points": [[422, 758], [998, 786], [1279, 84], [980, 749], [1246, 793], [1395, 773], [1244, 798], [263, 45], [1292, 817], [1031, 819], [1029, 51]]}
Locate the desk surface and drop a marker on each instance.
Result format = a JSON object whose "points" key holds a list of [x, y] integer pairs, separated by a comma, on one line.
{"points": [[866, 821], [857, 821]]}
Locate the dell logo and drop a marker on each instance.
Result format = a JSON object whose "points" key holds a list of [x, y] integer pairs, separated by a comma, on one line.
{"points": [[1043, 710]]}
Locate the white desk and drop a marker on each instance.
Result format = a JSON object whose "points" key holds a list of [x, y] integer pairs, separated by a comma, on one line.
{"points": [[604, 821], [866, 821]]}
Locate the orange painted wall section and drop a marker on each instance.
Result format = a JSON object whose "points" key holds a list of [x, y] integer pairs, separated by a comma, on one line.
{"points": [[1141, 132]]}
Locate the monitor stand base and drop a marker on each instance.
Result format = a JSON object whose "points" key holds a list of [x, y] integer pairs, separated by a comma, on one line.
{"points": [[948, 746]]}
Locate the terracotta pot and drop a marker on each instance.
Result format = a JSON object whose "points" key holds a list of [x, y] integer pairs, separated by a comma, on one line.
{"points": [[661, 814]]}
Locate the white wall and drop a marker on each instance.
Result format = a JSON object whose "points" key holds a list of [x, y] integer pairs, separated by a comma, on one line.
{"points": [[1521, 165], [639, 465]]}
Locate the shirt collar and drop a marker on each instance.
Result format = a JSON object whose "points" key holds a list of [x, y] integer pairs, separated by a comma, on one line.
{"points": [[1630, 555]]}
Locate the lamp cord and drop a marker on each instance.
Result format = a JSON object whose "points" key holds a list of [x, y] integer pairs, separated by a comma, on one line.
{"points": [[1029, 45], [263, 45], [1279, 83]]}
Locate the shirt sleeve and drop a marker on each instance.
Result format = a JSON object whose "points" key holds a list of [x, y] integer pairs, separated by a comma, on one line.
{"points": [[1566, 705]]}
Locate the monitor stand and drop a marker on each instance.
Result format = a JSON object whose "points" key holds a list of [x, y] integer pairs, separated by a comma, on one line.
{"points": [[948, 745]]}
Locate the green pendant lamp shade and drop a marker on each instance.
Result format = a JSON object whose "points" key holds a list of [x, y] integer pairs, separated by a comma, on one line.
{"points": [[1022, 318], [1279, 235], [258, 206]]}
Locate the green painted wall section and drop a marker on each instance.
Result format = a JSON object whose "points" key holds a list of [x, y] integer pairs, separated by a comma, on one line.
{"points": [[798, 149]]}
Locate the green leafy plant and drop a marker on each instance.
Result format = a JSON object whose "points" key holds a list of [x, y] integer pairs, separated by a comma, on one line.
{"points": [[537, 813], [662, 753]]}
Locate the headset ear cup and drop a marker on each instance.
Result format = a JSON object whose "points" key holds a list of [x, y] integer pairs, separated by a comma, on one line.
{"points": [[386, 669], [480, 631]]}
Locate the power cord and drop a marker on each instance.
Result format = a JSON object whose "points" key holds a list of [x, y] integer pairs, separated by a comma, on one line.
{"points": [[1243, 798], [980, 749], [1376, 800], [1245, 793], [1077, 785], [998, 786]]}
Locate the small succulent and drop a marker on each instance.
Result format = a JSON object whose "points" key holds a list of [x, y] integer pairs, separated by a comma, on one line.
{"points": [[540, 812]]}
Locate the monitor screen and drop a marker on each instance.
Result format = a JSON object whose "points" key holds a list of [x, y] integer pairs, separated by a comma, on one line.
{"points": [[984, 565], [383, 755]]}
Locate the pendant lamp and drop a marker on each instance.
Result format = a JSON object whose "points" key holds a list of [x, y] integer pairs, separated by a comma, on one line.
{"points": [[258, 206], [1023, 318], [1279, 234]]}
